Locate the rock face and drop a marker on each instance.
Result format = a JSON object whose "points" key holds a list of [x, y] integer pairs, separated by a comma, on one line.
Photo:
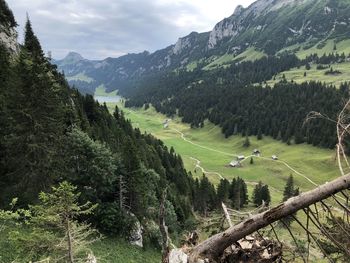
{"points": [[8, 37], [268, 26], [243, 17]]}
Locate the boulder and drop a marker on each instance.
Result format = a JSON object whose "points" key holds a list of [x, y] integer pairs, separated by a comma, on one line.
{"points": [[177, 256], [136, 235]]}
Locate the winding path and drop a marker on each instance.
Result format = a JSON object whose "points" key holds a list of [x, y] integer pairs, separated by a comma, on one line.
{"points": [[235, 155], [198, 165]]}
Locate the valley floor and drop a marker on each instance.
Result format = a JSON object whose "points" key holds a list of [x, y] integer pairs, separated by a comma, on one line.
{"points": [[206, 151]]}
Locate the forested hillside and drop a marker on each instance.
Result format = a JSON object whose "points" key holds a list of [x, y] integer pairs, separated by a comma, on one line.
{"points": [[237, 99], [264, 28], [50, 134]]}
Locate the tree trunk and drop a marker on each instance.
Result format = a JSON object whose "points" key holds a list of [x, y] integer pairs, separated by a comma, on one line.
{"points": [[164, 230], [213, 247], [227, 216], [70, 243]]}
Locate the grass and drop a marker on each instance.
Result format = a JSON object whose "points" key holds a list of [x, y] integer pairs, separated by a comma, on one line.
{"points": [[250, 54], [323, 47], [215, 152], [101, 91], [220, 61], [328, 47], [118, 250], [81, 77], [106, 250], [297, 75]]}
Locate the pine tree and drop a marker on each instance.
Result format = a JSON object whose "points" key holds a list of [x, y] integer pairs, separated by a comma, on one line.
{"points": [[261, 194], [246, 143], [54, 229], [260, 135], [238, 193], [257, 194], [37, 123], [265, 194], [223, 191], [31, 43], [289, 191], [251, 160]]}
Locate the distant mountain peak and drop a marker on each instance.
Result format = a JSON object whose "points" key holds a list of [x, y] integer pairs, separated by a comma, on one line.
{"points": [[73, 57]]}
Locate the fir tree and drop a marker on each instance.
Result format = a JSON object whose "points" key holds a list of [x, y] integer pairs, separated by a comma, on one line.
{"points": [[260, 135], [246, 142], [31, 42], [223, 191], [289, 191]]}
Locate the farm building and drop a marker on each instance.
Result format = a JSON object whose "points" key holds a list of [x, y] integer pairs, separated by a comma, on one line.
{"points": [[240, 157], [256, 152], [235, 164]]}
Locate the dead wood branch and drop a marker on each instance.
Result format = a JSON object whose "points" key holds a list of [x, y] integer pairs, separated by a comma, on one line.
{"points": [[215, 246]]}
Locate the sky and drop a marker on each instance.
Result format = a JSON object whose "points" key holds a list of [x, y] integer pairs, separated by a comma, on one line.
{"points": [[110, 28]]}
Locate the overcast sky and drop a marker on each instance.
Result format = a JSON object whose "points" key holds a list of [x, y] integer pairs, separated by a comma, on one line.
{"points": [[109, 28]]}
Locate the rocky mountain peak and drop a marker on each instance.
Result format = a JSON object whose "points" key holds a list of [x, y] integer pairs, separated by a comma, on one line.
{"points": [[73, 57]]}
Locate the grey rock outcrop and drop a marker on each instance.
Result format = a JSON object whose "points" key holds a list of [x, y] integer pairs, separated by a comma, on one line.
{"points": [[8, 37]]}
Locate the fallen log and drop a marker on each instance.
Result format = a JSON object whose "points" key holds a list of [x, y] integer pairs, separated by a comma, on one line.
{"points": [[212, 248]]}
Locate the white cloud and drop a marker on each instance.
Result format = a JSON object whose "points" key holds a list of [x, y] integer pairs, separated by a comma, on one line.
{"points": [[100, 28]]}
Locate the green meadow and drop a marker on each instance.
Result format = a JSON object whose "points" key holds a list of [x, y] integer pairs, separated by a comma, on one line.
{"points": [[297, 75], [309, 165]]}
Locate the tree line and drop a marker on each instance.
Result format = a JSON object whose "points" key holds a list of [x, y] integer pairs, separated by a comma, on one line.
{"points": [[239, 101]]}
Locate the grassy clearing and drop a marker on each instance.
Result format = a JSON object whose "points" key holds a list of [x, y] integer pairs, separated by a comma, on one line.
{"points": [[81, 77], [210, 147], [214, 151], [101, 91], [250, 54], [297, 75], [220, 61], [106, 250], [323, 47], [118, 250], [326, 48]]}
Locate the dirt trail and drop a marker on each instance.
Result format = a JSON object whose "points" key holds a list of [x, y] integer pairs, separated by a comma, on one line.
{"points": [[235, 155], [198, 165]]}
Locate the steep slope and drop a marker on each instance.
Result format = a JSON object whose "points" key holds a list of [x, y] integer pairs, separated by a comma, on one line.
{"points": [[271, 25], [265, 27]]}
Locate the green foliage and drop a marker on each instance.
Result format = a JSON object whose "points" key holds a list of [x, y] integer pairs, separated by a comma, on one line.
{"points": [[338, 230], [6, 15], [204, 196], [289, 191], [51, 134], [238, 193], [246, 142], [50, 229], [261, 194]]}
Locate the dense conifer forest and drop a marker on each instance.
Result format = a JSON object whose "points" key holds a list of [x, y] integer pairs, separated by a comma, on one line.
{"points": [[50, 134], [238, 100]]}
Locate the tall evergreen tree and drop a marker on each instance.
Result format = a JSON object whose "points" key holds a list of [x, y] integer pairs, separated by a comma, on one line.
{"points": [[289, 191], [223, 191]]}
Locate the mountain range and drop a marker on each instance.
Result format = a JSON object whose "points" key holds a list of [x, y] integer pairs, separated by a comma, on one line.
{"points": [[265, 28]]}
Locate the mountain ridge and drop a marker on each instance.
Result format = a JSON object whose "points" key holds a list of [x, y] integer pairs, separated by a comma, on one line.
{"points": [[267, 26]]}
